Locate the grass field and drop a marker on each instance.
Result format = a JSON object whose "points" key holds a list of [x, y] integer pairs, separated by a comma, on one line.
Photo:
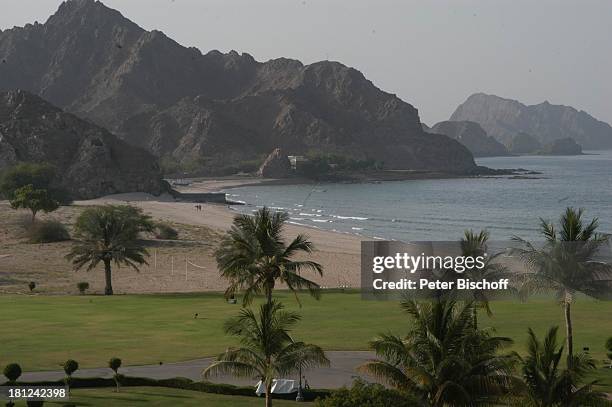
{"points": [[40, 332], [156, 396]]}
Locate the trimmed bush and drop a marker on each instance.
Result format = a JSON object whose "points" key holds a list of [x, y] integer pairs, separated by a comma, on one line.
{"points": [[364, 394], [83, 286], [166, 232], [48, 231], [12, 371]]}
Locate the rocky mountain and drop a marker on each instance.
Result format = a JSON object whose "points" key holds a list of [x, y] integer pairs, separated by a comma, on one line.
{"points": [[505, 118], [563, 146], [523, 143], [91, 162], [216, 109], [471, 135]]}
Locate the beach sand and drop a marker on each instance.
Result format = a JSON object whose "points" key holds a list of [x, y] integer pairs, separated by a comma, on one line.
{"points": [[338, 253]]}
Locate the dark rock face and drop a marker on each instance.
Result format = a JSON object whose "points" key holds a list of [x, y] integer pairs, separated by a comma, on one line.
{"points": [[276, 165], [91, 162], [524, 143], [172, 100], [471, 135], [566, 146], [504, 118]]}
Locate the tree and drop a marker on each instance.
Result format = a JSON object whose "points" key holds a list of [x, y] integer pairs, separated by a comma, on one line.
{"points": [[31, 285], [39, 175], [267, 350], [114, 364], [566, 264], [109, 234], [70, 366], [444, 360], [33, 199], [253, 256], [547, 385], [475, 245]]}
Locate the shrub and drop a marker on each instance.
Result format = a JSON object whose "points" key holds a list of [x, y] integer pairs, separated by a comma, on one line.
{"points": [[364, 394], [31, 285], [165, 232], [83, 286], [12, 372], [47, 232], [609, 349]]}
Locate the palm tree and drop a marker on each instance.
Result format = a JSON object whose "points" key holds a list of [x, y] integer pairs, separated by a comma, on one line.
{"points": [[253, 256], [567, 264], [547, 385], [443, 360], [476, 245], [267, 350], [109, 234]]}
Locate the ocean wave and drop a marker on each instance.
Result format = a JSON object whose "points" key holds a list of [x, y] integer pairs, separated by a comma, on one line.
{"points": [[322, 220], [350, 217], [309, 214]]}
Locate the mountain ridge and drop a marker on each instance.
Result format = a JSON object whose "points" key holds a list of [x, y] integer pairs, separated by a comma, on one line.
{"points": [[213, 108]]}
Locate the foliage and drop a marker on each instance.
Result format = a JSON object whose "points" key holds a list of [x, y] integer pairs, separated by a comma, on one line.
{"points": [[70, 366], [267, 350], [109, 234], [12, 371], [444, 360], [547, 385], [609, 348], [364, 394], [83, 286], [115, 364], [567, 263], [253, 256], [166, 232], [39, 175], [48, 231], [31, 285], [35, 200]]}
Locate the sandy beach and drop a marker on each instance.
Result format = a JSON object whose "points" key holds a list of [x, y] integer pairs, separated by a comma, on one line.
{"points": [[181, 269]]}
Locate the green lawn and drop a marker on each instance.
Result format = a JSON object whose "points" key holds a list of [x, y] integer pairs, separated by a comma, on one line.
{"points": [[156, 396], [41, 332]]}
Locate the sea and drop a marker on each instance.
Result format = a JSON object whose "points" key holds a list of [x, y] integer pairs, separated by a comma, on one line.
{"points": [[442, 209]]}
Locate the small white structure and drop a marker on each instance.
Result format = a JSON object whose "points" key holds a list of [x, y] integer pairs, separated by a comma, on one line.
{"points": [[296, 160], [279, 386]]}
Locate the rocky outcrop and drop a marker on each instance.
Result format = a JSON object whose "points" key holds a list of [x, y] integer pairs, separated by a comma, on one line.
{"points": [[566, 146], [471, 135], [505, 118], [214, 107], [276, 165], [91, 162], [524, 143]]}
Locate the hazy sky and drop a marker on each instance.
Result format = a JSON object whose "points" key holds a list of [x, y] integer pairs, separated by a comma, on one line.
{"points": [[432, 54]]}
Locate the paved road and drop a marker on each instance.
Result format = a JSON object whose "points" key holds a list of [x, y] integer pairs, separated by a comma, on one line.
{"points": [[341, 372]]}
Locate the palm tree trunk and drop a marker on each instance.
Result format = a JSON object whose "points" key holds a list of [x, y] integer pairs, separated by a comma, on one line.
{"points": [[108, 289], [569, 330], [475, 311], [268, 396]]}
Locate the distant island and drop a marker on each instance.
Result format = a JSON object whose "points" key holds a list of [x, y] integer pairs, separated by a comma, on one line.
{"points": [[510, 122]]}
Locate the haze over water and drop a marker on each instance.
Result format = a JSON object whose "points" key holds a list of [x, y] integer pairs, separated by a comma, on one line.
{"points": [[443, 209]]}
